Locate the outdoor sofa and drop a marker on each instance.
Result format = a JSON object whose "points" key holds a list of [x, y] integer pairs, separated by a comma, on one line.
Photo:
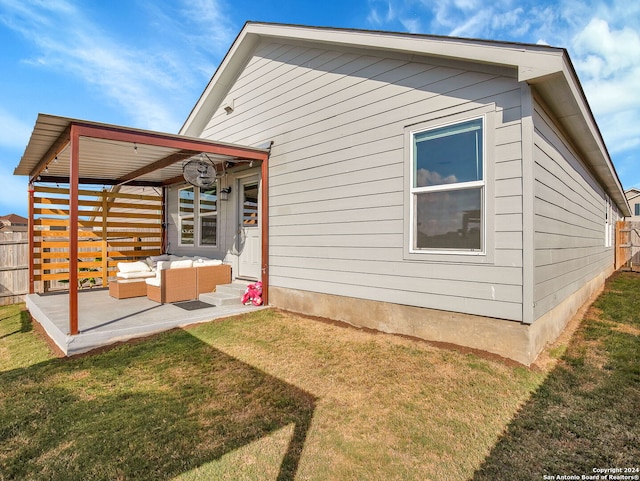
{"points": [[167, 279]]}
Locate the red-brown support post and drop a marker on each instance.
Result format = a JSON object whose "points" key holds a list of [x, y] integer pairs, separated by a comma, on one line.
{"points": [[74, 165], [31, 240], [264, 220], [163, 222]]}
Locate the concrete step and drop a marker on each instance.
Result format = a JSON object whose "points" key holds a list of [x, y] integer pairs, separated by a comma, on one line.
{"points": [[226, 294], [235, 287]]}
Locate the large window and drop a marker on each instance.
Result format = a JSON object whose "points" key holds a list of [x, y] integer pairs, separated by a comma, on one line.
{"points": [[198, 216], [448, 188]]}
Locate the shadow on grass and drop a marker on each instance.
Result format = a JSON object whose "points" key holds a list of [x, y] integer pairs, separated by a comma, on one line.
{"points": [[586, 415], [25, 325], [151, 410]]}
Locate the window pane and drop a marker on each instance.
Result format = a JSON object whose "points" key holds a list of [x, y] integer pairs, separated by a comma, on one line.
{"points": [[186, 231], [250, 205], [637, 209], [208, 230], [448, 220], [187, 197], [448, 155], [208, 200]]}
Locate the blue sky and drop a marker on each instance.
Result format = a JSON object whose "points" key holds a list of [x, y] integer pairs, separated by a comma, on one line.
{"points": [[145, 63]]}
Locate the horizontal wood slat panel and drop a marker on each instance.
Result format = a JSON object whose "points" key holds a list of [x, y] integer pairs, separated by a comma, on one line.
{"points": [[112, 227], [95, 193], [98, 204]]}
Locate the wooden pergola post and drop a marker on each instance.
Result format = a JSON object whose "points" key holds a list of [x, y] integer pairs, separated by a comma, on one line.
{"points": [[264, 222], [31, 234], [74, 166], [105, 240]]}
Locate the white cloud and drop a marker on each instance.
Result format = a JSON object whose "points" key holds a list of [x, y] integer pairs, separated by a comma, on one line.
{"points": [[153, 86], [14, 132], [411, 25], [608, 62], [614, 50], [427, 177], [381, 12]]}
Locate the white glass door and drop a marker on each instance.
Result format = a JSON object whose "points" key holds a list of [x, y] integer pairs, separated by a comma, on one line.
{"points": [[249, 238]]}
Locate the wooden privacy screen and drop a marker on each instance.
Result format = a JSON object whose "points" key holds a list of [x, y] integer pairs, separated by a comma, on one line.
{"points": [[113, 226]]}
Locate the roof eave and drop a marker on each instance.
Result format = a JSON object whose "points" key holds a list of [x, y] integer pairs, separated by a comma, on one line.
{"points": [[564, 95], [539, 65]]}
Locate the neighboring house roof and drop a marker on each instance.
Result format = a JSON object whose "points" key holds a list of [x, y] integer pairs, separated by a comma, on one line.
{"points": [[547, 69], [13, 228], [633, 197], [14, 219], [632, 193]]}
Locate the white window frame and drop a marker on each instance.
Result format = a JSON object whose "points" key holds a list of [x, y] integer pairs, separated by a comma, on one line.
{"points": [[208, 214], [470, 185], [436, 120], [608, 222], [191, 217], [196, 217]]}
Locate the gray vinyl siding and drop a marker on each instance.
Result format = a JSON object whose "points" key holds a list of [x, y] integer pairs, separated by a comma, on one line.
{"points": [[569, 219], [336, 173]]}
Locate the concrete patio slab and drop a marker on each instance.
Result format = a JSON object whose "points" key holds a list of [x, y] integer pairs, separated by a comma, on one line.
{"points": [[104, 320]]}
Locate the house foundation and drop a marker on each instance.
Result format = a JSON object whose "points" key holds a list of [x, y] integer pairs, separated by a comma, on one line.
{"points": [[510, 339]]}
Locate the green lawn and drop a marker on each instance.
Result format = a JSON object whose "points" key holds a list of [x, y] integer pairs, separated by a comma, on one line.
{"points": [[586, 415], [273, 396]]}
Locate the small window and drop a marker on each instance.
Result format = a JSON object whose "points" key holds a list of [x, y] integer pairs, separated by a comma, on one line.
{"points": [[250, 205], [208, 216], [608, 223], [186, 214], [447, 188], [198, 216], [637, 207]]}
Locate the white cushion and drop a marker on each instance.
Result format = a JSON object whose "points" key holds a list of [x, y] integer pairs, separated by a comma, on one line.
{"points": [[153, 260], [129, 281], [207, 262], [162, 265], [138, 266], [135, 275], [153, 282], [181, 264]]}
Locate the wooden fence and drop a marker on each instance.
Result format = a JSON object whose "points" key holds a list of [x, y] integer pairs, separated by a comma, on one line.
{"points": [[628, 245], [14, 267]]}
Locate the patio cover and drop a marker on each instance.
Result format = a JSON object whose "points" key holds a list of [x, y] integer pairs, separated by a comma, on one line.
{"points": [[74, 152]]}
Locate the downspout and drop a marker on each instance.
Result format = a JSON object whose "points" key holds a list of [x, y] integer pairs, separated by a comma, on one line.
{"points": [[163, 229]]}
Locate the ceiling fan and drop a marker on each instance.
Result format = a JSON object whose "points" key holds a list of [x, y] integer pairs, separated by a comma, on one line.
{"points": [[200, 172]]}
